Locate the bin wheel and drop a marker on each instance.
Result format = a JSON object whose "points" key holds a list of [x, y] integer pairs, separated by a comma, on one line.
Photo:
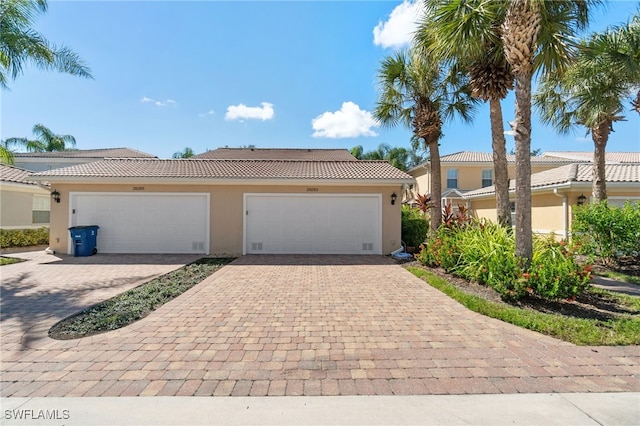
{"points": [[95, 250]]}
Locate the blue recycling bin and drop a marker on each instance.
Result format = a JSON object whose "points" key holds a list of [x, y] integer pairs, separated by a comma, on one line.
{"points": [[84, 239]]}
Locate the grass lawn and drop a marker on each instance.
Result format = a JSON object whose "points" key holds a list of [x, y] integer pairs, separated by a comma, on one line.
{"points": [[136, 303], [623, 329], [8, 260]]}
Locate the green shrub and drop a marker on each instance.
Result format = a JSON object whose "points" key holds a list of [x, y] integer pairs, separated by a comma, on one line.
{"points": [[484, 252], [414, 226], [607, 232], [23, 237]]}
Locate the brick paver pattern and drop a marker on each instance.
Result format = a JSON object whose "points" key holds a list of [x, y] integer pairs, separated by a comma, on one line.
{"points": [[284, 325]]}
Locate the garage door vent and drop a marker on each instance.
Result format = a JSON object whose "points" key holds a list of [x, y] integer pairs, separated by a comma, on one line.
{"points": [[256, 246], [367, 246], [197, 246]]}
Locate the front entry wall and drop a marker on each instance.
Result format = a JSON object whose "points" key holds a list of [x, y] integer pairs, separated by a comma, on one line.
{"points": [[226, 210]]}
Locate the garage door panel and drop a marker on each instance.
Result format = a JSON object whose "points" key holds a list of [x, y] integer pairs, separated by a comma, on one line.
{"points": [[145, 223], [322, 224]]}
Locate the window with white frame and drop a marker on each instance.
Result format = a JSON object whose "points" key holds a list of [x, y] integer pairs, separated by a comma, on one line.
{"points": [[452, 178], [487, 177], [40, 209]]}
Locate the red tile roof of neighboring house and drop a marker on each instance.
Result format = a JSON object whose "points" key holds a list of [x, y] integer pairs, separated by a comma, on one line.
{"points": [[222, 170], [277, 154], [15, 175], [577, 172], [87, 153]]}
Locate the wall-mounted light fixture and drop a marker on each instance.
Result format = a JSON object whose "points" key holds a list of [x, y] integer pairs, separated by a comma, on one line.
{"points": [[581, 199], [56, 196], [393, 198]]}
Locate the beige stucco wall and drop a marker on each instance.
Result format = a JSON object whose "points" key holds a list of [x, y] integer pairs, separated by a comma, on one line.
{"points": [[16, 205], [469, 175], [548, 210], [226, 221]]}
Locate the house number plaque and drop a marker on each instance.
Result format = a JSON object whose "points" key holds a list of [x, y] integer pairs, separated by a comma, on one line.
{"points": [[312, 189]]}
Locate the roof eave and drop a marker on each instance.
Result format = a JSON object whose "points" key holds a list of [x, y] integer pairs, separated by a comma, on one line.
{"points": [[219, 181]]}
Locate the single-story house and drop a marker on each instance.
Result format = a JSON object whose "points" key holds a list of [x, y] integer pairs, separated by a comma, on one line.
{"points": [[24, 203], [556, 192], [41, 161], [231, 206]]}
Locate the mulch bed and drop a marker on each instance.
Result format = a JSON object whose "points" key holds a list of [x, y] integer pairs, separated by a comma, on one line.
{"points": [[589, 305]]}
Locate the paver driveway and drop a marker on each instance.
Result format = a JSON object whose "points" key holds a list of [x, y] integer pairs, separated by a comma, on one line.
{"points": [[294, 325]]}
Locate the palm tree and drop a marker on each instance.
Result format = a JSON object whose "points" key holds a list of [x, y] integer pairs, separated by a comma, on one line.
{"points": [[6, 155], [528, 25], [186, 153], [468, 32], [415, 91], [46, 141], [21, 44], [592, 91]]}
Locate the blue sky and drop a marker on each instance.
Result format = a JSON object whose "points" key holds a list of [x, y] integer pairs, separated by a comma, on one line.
{"points": [[274, 74]]}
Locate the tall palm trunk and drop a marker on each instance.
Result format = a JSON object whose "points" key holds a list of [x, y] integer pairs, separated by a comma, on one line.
{"points": [[500, 169], [436, 186], [600, 137], [520, 35], [522, 127]]}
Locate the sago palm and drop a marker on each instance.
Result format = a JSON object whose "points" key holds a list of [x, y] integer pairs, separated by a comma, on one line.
{"points": [[468, 32], [21, 44], [417, 92]]}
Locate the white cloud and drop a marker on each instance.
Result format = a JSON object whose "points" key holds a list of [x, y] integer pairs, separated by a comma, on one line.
{"points": [[241, 111], [349, 122], [206, 114], [398, 30], [158, 103], [509, 132]]}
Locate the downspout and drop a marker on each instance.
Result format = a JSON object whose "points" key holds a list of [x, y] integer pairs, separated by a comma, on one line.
{"points": [[565, 209]]}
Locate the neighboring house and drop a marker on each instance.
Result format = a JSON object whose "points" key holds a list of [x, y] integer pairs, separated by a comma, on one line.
{"points": [[277, 154], [556, 192], [24, 203], [467, 171], [230, 206], [41, 161]]}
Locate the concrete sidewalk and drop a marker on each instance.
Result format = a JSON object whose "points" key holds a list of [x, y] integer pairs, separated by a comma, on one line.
{"points": [[515, 409]]}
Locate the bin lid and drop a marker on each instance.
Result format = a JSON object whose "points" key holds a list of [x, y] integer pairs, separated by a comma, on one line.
{"points": [[84, 227]]}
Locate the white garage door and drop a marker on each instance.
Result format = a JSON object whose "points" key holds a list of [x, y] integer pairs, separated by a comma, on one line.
{"points": [[145, 223], [313, 224]]}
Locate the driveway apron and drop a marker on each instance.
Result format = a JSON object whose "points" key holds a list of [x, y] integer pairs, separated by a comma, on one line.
{"points": [[285, 325]]}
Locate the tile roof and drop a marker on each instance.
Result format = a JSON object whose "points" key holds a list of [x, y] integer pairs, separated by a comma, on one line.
{"points": [[577, 172], [231, 169], [87, 153], [487, 157], [610, 157], [277, 154], [15, 175]]}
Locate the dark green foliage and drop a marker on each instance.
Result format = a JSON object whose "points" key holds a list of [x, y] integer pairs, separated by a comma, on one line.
{"points": [[23, 237], [484, 252], [414, 226], [607, 232]]}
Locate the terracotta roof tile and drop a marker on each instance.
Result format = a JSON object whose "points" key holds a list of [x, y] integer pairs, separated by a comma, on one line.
{"points": [[87, 153], [15, 175], [610, 157], [231, 169], [577, 172], [277, 154], [487, 158]]}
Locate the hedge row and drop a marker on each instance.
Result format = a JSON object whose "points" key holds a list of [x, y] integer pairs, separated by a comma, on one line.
{"points": [[23, 237]]}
